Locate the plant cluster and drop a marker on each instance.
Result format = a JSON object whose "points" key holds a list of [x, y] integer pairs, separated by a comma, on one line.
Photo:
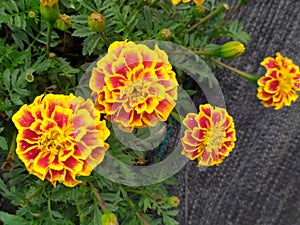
{"points": [[51, 141]]}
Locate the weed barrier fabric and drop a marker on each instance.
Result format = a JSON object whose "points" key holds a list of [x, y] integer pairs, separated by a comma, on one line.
{"points": [[259, 182]]}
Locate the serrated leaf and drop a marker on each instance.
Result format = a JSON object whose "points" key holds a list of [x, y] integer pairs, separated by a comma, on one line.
{"points": [[169, 220], [6, 79], [97, 215], [90, 44], [148, 18], [15, 98], [82, 32], [3, 143], [9, 219]]}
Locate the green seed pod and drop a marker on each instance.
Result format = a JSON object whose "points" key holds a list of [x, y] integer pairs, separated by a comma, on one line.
{"points": [[96, 22]]}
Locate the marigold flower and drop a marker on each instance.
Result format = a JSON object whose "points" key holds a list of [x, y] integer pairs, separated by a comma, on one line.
{"points": [[210, 135], [278, 86], [134, 86], [197, 2], [60, 137]]}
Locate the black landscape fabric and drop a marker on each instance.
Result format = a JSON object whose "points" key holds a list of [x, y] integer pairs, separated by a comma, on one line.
{"points": [[260, 182]]}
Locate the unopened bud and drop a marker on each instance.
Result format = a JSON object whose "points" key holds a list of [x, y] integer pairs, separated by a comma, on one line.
{"points": [[52, 55], [109, 219], [231, 50], [165, 34], [63, 22], [96, 22], [49, 10], [31, 14], [173, 201], [29, 77]]}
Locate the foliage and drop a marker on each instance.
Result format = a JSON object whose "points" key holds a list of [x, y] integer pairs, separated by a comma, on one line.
{"points": [[23, 50]]}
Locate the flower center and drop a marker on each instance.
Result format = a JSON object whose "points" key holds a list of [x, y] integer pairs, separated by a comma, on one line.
{"points": [[135, 92], [214, 139], [51, 141], [286, 84]]}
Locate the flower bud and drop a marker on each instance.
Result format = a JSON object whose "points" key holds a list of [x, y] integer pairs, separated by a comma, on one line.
{"points": [[49, 10], [96, 22], [31, 14], [230, 50], [109, 218], [29, 77], [165, 34], [52, 55], [63, 22], [173, 201]]}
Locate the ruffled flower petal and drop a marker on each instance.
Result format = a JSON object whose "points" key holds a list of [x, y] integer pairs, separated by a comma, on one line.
{"points": [[134, 85], [279, 86], [210, 135], [60, 137]]}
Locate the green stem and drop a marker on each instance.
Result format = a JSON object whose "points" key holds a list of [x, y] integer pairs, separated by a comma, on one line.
{"points": [[104, 38], [98, 196], [49, 209], [8, 165], [247, 76], [204, 52], [218, 10], [49, 31], [79, 210], [137, 213]]}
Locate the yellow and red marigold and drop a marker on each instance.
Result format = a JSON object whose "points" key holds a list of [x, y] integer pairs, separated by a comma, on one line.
{"points": [[197, 2], [210, 135], [280, 84], [60, 137], [134, 85]]}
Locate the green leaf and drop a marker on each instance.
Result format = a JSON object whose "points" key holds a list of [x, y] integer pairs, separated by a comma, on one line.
{"points": [[82, 32], [168, 220], [90, 44], [6, 79], [9, 219], [97, 216], [148, 18], [3, 143]]}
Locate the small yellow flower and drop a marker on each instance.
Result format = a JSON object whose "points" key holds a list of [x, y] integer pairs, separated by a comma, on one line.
{"points": [[210, 135], [279, 86], [134, 85], [60, 137]]}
